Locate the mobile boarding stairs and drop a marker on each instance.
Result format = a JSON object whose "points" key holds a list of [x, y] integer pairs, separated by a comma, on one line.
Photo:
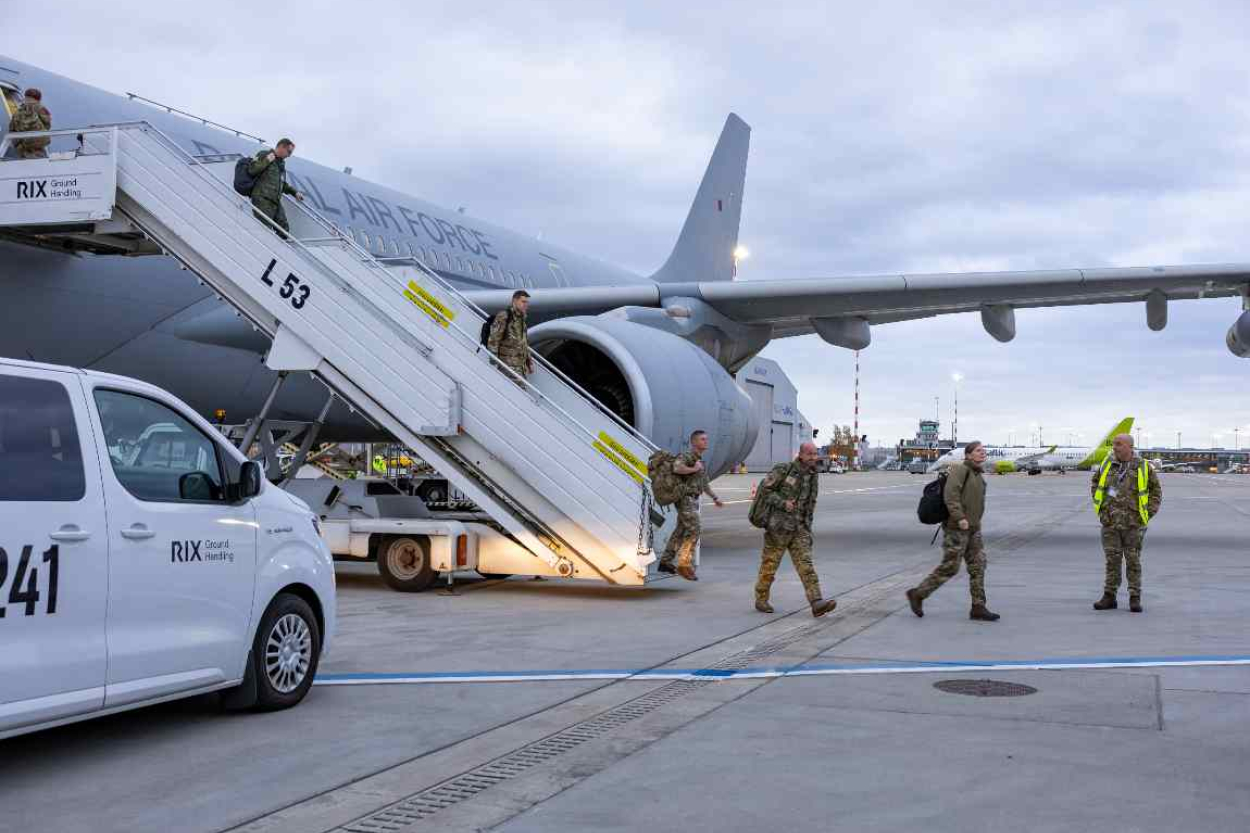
{"points": [[559, 473]]}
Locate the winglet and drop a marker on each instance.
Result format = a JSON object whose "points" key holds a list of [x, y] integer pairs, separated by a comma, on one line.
{"points": [[705, 247], [1099, 453]]}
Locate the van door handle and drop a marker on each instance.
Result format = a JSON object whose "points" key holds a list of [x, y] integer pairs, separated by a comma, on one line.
{"points": [[137, 532], [69, 532]]}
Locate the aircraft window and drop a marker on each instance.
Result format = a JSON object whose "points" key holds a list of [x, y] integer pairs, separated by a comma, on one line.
{"points": [[153, 450], [491, 270], [408, 249], [39, 454]]}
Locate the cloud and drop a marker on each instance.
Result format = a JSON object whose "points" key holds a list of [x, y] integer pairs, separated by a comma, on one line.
{"points": [[897, 137]]}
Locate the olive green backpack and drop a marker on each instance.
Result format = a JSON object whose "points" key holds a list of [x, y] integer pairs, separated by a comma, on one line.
{"points": [[666, 487]]}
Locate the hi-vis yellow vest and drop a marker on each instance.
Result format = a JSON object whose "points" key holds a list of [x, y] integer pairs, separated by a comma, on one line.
{"points": [[1143, 493]]}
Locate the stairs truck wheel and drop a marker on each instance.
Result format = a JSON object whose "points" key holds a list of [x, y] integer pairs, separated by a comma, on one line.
{"points": [[404, 563]]}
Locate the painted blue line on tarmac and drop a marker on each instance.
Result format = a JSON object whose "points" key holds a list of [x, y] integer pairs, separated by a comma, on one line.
{"points": [[812, 670]]}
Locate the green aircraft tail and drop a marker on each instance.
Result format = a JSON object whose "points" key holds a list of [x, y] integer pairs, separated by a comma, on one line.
{"points": [[1099, 453]]}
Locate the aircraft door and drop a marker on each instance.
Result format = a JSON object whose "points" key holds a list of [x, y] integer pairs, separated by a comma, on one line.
{"points": [[53, 551]]}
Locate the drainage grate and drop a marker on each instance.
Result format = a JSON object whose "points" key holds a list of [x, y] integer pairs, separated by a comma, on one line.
{"points": [[416, 808], [984, 688]]}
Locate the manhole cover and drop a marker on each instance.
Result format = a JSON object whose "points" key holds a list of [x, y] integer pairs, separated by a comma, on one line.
{"points": [[984, 688]]}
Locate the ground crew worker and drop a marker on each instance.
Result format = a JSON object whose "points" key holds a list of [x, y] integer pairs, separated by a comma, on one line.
{"points": [[1127, 494], [791, 502], [689, 466], [964, 494], [31, 116], [509, 338], [269, 169]]}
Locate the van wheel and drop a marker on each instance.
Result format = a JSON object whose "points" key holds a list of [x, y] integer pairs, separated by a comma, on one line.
{"points": [[285, 653], [404, 562]]}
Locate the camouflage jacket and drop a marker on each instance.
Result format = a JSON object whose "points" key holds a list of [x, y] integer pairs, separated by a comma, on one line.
{"points": [[31, 116], [697, 483], [786, 482], [1120, 509], [271, 181], [509, 337], [964, 495]]}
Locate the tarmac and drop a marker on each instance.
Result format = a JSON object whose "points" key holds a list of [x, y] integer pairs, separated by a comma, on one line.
{"points": [[522, 705]]}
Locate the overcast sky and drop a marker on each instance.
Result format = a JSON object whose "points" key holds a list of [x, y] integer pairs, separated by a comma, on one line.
{"points": [[887, 137]]}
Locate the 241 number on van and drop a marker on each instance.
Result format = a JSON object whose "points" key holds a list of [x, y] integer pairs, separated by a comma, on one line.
{"points": [[24, 590]]}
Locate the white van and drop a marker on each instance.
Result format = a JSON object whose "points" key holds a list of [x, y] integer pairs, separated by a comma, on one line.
{"points": [[143, 558]]}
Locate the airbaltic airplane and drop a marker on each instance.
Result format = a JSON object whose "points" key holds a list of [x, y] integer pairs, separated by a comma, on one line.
{"points": [[658, 349], [1011, 458]]}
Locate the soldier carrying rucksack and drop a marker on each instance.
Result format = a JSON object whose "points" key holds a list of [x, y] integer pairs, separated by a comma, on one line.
{"points": [[784, 507], [680, 480], [31, 117]]}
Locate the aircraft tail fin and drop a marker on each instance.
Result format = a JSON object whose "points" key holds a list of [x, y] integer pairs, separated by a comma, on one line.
{"points": [[705, 247], [1099, 453]]}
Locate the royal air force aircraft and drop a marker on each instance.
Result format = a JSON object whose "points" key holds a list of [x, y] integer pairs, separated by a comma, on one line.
{"points": [[1052, 457], [657, 349]]}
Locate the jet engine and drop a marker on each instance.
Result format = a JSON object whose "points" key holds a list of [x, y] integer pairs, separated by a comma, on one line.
{"points": [[663, 385], [1238, 339]]}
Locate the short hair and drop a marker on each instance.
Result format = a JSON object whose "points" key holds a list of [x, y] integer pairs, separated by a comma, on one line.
{"points": [[972, 446], [695, 434], [284, 142], [34, 93], [520, 293]]}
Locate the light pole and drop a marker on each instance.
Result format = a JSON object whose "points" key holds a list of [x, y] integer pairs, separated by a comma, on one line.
{"points": [[957, 377], [1178, 439]]}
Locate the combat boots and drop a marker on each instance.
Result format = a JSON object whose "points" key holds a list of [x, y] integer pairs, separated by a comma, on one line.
{"points": [[822, 606], [1107, 602], [763, 606], [687, 572], [1134, 603], [981, 613], [666, 567], [916, 601]]}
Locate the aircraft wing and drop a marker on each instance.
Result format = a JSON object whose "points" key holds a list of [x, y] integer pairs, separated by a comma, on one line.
{"points": [[1030, 458], [831, 305]]}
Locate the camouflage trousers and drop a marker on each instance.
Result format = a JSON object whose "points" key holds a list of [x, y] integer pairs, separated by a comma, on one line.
{"points": [[799, 544], [685, 537], [517, 362], [29, 150], [957, 545], [1122, 544], [274, 211]]}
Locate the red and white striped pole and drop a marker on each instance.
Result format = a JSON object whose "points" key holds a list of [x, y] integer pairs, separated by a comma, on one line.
{"points": [[855, 441]]}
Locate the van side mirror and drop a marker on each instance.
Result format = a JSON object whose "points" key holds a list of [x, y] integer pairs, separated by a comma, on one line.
{"points": [[249, 480]]}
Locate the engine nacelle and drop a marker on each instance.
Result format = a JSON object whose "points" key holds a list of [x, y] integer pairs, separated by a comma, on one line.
{"points": [[1238, 339], [661, 384]]}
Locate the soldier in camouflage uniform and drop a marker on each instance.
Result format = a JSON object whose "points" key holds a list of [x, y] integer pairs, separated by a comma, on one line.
{"points": [[689, 466], [793, 488], [269, 168], [1120, 508], [964, 495], [31, 116], [509, 337]]}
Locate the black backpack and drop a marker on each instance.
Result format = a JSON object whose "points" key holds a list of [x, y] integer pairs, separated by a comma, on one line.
{"points": [[932, 508], [244, 182], [484, 337]]}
